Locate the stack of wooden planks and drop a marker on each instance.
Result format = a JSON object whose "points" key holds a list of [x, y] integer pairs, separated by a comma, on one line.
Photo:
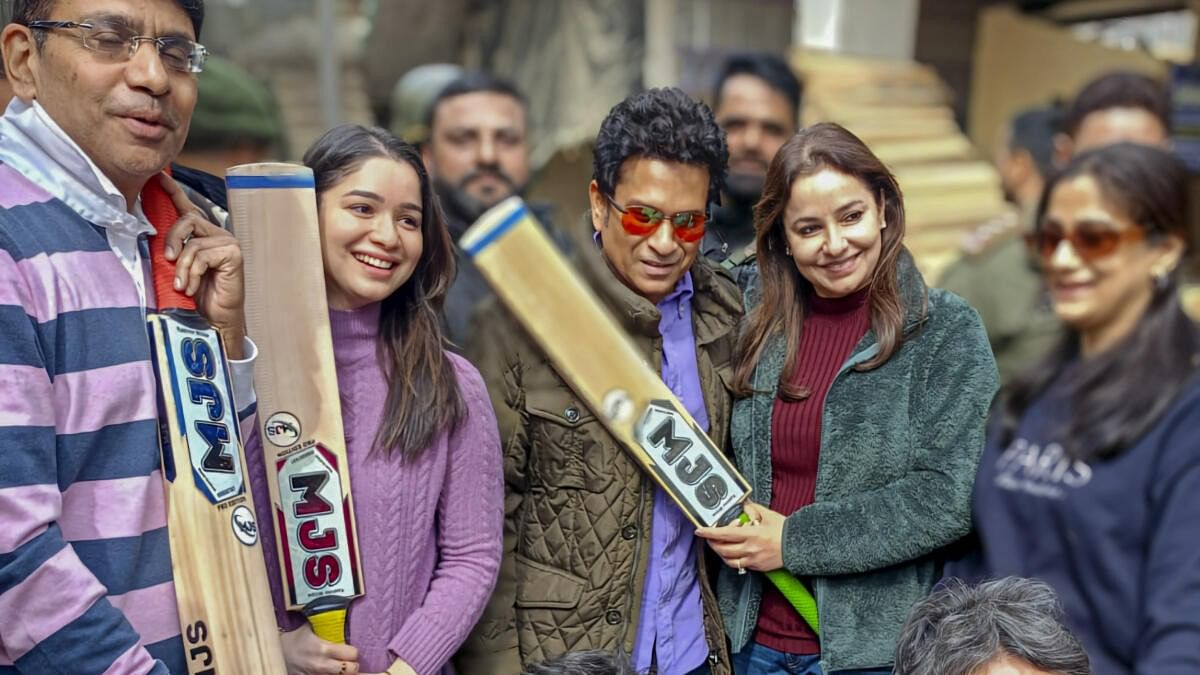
{"points": [[900, 109]]}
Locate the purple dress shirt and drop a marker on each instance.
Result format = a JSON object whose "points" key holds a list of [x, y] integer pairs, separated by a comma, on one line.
{"points": [[671, 627]]}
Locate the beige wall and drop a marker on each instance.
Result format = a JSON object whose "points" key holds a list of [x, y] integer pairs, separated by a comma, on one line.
{"points": [[1021, 62]]}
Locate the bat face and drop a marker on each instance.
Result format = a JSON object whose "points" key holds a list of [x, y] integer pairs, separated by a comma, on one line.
{"points": [[299, 411], [197, 400], [220, 578], [688, 466], [317, 539]]}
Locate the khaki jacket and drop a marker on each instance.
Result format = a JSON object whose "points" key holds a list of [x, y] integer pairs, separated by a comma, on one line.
{"points": [[578, 510]]}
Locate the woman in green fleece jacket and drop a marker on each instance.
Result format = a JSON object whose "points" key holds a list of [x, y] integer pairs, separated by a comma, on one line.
{"points": [[861, 419]]}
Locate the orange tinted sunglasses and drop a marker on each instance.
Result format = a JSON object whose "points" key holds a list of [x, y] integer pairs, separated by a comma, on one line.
{"points": [[1090, 241], [642, 221]]}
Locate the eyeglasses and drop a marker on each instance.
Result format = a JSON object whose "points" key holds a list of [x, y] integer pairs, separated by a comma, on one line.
{"points": [[118, 43], [1089, 241], [642, 221]]}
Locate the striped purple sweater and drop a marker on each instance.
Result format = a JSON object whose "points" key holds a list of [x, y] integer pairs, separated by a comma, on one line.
{"points": [[85, 567]]}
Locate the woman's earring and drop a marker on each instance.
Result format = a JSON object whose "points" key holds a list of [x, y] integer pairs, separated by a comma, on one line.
{"points": [[1162, 281], [787, 250]]}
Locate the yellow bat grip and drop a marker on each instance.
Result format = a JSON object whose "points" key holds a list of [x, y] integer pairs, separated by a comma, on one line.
{"points": [[329, 625], [794, 591]]}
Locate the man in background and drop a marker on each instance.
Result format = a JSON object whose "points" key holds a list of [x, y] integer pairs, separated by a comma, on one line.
{"points": [[477, 153], [757, 103], [996, 275]]}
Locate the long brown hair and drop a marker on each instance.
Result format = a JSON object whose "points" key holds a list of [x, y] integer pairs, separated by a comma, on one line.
{"points": [[783, 289], [423, 398]]}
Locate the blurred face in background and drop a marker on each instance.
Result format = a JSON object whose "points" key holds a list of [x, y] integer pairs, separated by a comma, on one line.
{"points": [[477, 151], [1020, 177], [650, 264], [757, 121], [1114, 125], [1098, 263], [833, 227]]}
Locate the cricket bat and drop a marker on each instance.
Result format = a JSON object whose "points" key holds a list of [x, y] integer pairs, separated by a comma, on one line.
{"points": [[274, 207], [627, 395], [221, 584]]}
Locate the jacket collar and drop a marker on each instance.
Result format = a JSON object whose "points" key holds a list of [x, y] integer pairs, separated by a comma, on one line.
{"points": [[715, 308], [33, 144]]}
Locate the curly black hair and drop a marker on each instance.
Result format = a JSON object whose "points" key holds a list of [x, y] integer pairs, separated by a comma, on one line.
{"points": [[664, 124]]}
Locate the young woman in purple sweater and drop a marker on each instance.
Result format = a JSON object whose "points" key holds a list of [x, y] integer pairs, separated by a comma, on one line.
{"points": [[421, 434]]}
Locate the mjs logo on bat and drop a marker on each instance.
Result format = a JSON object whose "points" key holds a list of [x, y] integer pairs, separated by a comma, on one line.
{"points": [[685, 460], [205, 408], [314, 524]]}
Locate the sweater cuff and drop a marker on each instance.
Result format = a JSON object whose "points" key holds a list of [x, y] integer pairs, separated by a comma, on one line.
{"points": [[796, 558], [425, 645]]}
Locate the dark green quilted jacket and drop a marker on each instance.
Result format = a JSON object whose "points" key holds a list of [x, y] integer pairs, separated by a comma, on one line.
{"points": [[578, 509], [899, 449]]}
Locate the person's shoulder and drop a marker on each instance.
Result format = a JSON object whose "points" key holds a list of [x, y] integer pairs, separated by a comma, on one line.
{"points": [[952, 320], [984, 240], [464, 370], [18, 190], [949, 304], [716, 284]]}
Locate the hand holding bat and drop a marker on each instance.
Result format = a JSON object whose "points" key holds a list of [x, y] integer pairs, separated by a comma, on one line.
{"points": [[756, 545], [208, 268], [307, 654]]}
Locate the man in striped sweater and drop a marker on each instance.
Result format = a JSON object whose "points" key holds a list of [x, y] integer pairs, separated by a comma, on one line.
{"points": [[85, 570]]}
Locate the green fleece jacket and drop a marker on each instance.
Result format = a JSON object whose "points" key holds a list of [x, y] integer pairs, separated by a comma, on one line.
{"points": [[899, 449]]}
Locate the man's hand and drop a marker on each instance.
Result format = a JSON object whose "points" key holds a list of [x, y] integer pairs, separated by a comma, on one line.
{"points": [[756, 545], [307, 654], [208, 267]]}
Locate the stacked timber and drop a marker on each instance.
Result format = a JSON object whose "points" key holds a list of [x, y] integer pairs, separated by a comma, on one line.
{"points": [[901, 110]]}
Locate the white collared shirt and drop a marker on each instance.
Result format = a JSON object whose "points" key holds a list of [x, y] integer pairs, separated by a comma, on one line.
{"points": [[33, 144]]}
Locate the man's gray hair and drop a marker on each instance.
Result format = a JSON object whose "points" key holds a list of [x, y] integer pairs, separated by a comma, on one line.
{"points": [[959, 629], [590, 662]]}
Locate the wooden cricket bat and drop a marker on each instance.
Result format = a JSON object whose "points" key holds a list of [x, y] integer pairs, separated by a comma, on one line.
{"points": [[600, 363], [274, 207], [221, 586]]}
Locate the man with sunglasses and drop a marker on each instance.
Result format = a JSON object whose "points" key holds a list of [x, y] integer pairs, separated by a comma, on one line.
{"points": [[598, 557], [104, 95]]}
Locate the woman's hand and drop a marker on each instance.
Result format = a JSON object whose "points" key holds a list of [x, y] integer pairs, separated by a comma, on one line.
{"points": [[756, 545], [307, 654]]}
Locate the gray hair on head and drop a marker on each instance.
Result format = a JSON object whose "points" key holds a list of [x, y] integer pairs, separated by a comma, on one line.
{"points": [[960, 629], [590, 662]]}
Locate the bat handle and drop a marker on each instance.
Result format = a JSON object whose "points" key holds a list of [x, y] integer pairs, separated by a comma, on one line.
{"points": [[327, 616], [794, 591], [162, 214]]}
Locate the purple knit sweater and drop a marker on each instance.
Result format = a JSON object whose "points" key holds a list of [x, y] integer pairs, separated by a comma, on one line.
{"points": [[429, 530]]}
